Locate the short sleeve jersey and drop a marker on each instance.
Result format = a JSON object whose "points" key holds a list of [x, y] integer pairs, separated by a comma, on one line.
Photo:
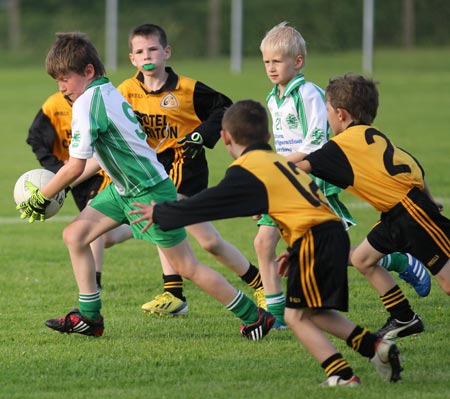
{"points": [[104, 123], [299, 121], [364, 161]]}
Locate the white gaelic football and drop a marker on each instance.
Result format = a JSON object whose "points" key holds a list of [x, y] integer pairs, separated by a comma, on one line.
{"points": [[39, 177]]}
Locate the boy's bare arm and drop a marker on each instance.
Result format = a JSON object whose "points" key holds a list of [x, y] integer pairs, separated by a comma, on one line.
{"points": [[296, 156], [304, 165], [91, 168]]}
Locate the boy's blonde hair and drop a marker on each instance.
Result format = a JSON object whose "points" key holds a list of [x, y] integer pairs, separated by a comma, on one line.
{"points": [[72, 52], [285, 39]]}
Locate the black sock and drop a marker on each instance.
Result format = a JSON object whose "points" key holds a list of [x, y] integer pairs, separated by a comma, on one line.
{"points": [[173, 283], [362, 341], [252, 277], [337, 365], [397, 305]]}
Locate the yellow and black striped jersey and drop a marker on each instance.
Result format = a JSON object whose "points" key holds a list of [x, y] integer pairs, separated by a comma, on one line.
{"points": [[50, 132], [364, 161], [182, 106], [259, 181]]}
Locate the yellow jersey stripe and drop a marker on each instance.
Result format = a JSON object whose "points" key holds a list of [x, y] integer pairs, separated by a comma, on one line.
{"points": [[308, 281]]}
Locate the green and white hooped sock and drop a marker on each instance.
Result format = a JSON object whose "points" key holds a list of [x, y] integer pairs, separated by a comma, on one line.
{"points": [[243, 308], [275, 305], [90, 305], [395, 262]]}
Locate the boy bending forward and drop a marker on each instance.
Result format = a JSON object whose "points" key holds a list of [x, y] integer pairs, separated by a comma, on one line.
{"points": [[262, 181], [104, 124]]}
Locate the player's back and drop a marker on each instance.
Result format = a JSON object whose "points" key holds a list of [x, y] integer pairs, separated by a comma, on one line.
{"points": [[295, 202]]}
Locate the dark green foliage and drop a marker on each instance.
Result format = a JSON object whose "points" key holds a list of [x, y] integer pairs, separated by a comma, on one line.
{"points": [[326, 25]]}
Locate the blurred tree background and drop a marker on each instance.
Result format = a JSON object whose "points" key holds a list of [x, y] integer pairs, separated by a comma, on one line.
{"points": [[201, 28]]}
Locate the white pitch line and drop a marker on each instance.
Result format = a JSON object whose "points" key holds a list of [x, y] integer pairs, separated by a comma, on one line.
{"points": [[54, 219]]}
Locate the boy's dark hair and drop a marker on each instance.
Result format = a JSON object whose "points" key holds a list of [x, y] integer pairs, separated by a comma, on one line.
{"points": [[147, 30], [356, 94], [247, 122], [72, 52]]}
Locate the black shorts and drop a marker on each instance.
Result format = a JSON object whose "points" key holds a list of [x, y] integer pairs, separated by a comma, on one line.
{"points": [[190, 175], [317, 277], [414, 226], [87, 190]]}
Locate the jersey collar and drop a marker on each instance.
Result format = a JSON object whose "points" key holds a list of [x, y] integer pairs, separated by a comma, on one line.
{"points": [[98, 82], [293, 84], [170, 84], [258, 146]]}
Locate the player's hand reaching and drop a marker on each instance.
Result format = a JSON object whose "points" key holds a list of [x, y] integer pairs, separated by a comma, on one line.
{"points": [[34, 207], [192, 144], [147, 214], [283, 264]]}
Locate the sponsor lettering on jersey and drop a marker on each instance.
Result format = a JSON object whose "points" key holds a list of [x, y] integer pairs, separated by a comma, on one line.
{"points": [[61, 113], [156, 126]]}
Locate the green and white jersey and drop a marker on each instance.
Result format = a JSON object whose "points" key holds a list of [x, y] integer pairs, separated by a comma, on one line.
{"points": [[299, 117], [299, 121], [105, 126]]}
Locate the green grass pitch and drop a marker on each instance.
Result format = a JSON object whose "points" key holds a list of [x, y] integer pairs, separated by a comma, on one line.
{"points": [[203, 355]]}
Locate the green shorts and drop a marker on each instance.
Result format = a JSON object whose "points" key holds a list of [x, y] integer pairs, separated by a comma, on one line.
{"points": [[112, 204], [266, 220]]}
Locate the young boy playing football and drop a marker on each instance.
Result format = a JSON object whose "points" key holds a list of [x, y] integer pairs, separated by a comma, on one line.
{"points": [[49, 136], [261, 181], [299, 127], [364, 161], [180, 116], [105, 126]]}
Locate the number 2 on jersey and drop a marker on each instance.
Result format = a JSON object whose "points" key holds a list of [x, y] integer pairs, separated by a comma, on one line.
{"points": [[388, 155]]}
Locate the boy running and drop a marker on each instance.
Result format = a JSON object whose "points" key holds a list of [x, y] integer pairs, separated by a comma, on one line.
{"points": [[105, 126], [364, 161], [262, 181], [180, 116]]}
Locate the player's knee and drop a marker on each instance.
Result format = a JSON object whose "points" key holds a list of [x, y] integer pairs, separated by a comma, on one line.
{"points": [[66, 236], [258, 243], [212, 244], [361, 263], [264, 247], [187, 269], [293, 316], [71, 236]]}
